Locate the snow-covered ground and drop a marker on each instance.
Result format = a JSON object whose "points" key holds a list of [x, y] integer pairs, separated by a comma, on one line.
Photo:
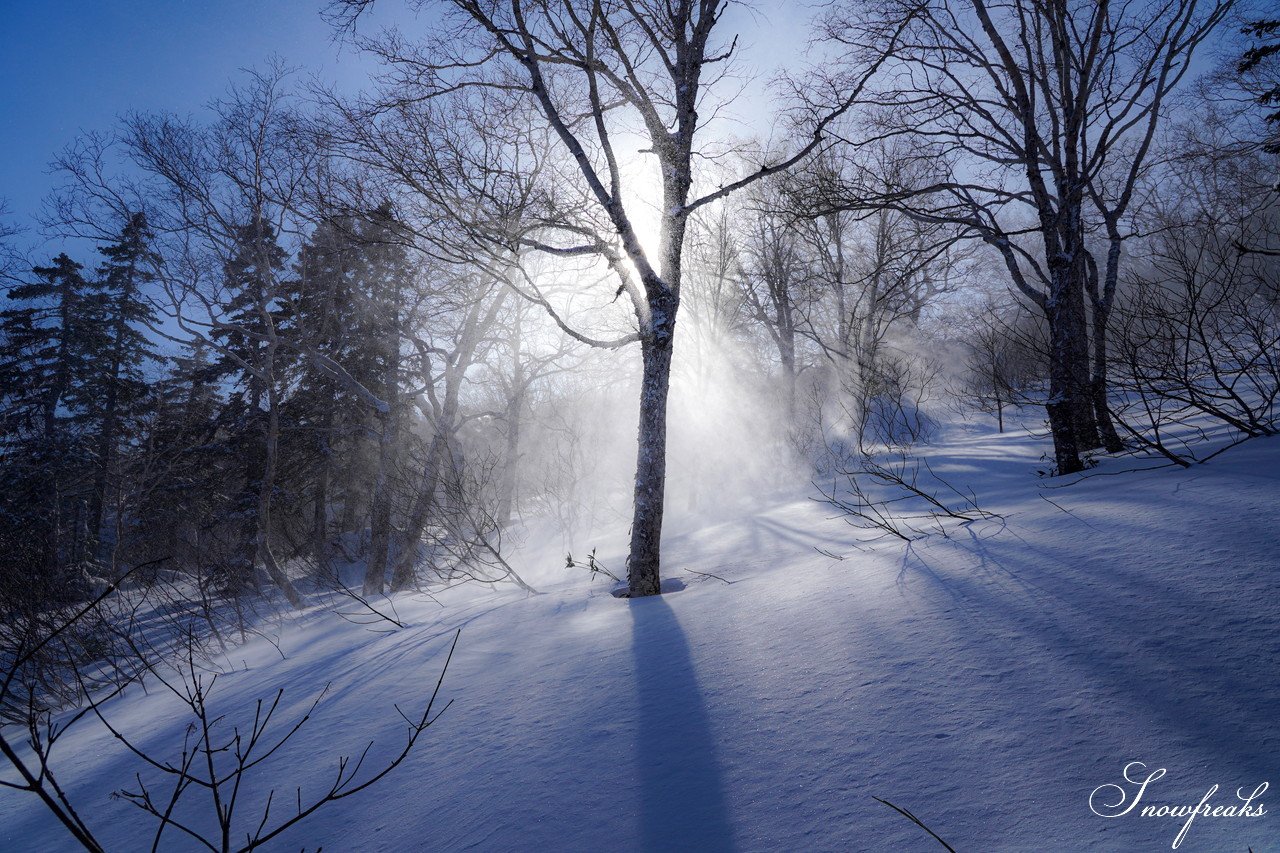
{"points": [[991, 681]]}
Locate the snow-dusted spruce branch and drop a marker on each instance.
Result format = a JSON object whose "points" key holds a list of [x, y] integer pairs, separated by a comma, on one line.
{"points": [[867, 511]]}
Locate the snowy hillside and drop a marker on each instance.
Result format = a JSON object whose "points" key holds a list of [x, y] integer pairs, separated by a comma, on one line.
{"points": [[990, 681]]}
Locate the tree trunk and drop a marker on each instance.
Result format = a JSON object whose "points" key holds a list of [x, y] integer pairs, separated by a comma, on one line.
{"points": [[1068, 366], [1098, 382], [1101, 300], [320, 512], [403, 576], [1077, 353], [241, 573], [107, 441], [651, 465], [519, 384], [265, 488], [507, 500], [787, 356], [480, 317], [380, 507], [102, 476]]}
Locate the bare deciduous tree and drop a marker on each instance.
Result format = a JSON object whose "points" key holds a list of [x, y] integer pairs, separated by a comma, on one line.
{"points": [[603, 77], [1037, 117]]}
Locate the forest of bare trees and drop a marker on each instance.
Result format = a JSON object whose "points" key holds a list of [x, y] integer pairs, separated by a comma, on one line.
{"points": [[321, 329], [308, 342]]}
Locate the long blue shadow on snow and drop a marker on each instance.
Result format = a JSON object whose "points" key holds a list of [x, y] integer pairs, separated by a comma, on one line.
{"points": [[682, 801]]}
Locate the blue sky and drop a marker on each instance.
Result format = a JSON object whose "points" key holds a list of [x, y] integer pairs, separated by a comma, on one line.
{"points": [[73, 65], [68, 66]]}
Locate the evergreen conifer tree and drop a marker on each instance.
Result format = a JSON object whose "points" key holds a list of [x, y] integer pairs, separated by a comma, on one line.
{"points": [[114, 385], [46, 344], [260, 370]]}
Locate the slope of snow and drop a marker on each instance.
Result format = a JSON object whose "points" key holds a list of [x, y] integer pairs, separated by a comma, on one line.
{"points": [[989, 680]]}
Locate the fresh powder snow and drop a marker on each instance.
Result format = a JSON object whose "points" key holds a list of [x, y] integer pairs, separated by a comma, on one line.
{"points": [[998, 681]]}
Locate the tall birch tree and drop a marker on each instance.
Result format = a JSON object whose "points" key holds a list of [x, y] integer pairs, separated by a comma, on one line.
{"points": [[605, 78]]}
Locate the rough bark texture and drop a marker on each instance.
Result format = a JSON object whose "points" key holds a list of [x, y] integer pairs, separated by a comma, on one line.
{"points": [[1102, 300], [1070, 405], [1064, 383], [1099, 382], [651, 470]]}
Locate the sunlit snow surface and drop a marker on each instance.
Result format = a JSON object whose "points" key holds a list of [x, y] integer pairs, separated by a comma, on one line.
{"points": [[988, 681]]}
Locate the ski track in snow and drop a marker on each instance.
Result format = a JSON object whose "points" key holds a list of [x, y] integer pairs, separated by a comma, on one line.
{"points": [[987, 680]]}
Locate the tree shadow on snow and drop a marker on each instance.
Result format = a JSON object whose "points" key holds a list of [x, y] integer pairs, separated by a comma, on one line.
{"points": [[682, 800]]}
